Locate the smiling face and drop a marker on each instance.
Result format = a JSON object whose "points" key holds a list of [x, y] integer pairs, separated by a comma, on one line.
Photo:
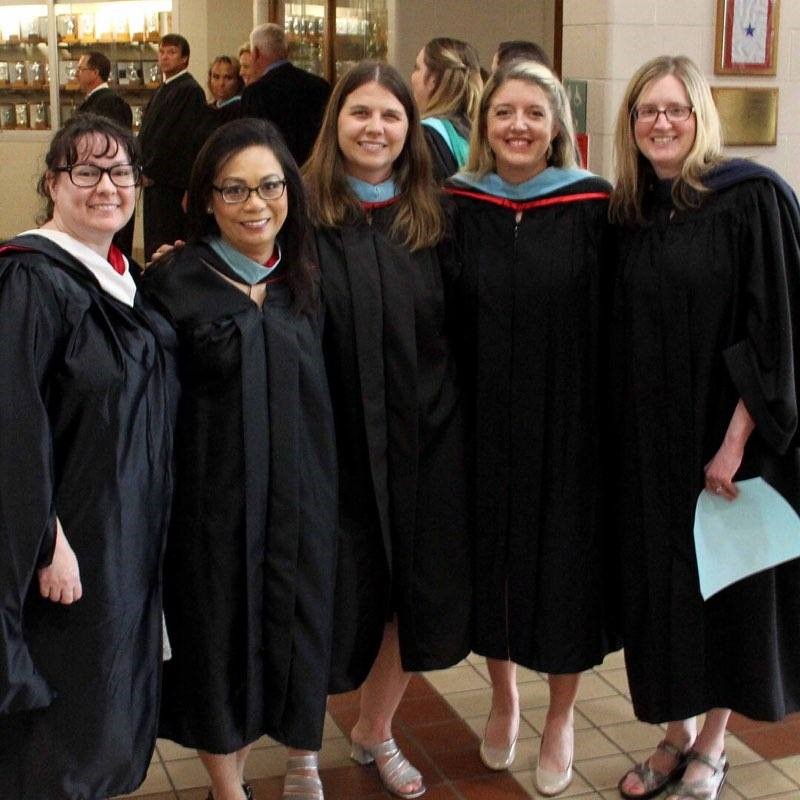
{"points": [[422, 82], [250, 227], [93, 214], [663, 143], [519, 128], [222, 81], [371, 130]]}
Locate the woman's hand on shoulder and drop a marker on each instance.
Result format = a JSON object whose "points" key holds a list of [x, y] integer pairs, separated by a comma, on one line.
{"points": [[61, 581], [164, 251]]}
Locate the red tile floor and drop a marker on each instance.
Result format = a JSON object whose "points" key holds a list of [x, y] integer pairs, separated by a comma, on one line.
{"points": [[438, 726]]}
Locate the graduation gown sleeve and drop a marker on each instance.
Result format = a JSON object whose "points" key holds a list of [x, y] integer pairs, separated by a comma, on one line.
{"points": [[763, 363], [28, 316]]}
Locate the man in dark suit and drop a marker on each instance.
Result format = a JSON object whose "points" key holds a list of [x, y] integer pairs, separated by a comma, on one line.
{"points": [[93, 71], [175, 124], [291, 98]]}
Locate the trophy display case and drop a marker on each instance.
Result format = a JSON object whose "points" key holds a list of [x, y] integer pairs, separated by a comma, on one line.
{"points": [[329, 36], [24, 68], [127, 32], [41, 44]]}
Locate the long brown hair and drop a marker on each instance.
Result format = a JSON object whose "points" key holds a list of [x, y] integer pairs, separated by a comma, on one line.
{"points": [[419, 221], [633, 169]]}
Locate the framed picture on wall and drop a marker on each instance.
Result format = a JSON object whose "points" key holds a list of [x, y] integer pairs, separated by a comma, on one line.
{"points": [[747, 37]]}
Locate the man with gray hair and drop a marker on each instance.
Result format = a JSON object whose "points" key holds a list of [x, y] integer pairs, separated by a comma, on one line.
{"points": [[291, 98]]}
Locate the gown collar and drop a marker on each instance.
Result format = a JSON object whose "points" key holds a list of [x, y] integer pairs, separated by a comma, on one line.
{"points": [[551, 179], [246, 269], [119, 286], [371, 193]]}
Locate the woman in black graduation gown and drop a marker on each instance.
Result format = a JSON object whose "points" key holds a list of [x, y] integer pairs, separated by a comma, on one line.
{"points": [[532, 233], [87, 401], [403, 580], [706, 349], [249, 569], [447, 85]]}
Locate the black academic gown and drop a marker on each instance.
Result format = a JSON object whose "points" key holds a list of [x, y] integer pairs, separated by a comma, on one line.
{"points": [[249, 569], [175, 125], [87, 396], [707, 305], [404, 530], [531, 297]]}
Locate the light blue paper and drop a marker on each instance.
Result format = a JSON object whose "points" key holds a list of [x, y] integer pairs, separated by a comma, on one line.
{"points": [[734, 540]]}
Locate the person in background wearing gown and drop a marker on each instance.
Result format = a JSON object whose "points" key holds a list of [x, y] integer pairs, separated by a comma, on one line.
{"points": [[531, 230], [706, 315], [403, 591], [87, 402], [447, 85], [225, 85], [250, 562]]}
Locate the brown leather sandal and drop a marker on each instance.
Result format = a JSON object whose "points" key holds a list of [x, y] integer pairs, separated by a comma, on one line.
{"points": [[654, 781]]}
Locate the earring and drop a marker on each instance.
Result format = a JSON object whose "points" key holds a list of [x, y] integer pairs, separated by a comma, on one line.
{"points": [[549, 152], [209, 210]]}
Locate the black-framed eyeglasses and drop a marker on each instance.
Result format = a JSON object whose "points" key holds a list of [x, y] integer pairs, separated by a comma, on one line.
{"points": [[268, 189], [673, 113], [88, 175]]}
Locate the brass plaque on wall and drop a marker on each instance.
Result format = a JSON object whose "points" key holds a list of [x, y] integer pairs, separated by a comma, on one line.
{"points": [[749, 115]]}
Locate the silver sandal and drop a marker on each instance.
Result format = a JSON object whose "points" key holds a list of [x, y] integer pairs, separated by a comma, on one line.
{"points": [[296, 785], [395, 772], [705, 788]]}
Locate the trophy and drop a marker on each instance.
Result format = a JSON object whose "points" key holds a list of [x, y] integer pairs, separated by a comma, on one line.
{"points": [[68, 74], [137, 117], [18, 74], [29, 31], [86, 27], [21, 114], [138, 28], [129, 73], [39, 116], [35, 70], [121, 31], [67, 26], [151, 27], [4, 77], [153, 75], [8, 120]]}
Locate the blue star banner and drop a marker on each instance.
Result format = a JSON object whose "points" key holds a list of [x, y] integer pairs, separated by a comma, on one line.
{"points": [[749, 41]]}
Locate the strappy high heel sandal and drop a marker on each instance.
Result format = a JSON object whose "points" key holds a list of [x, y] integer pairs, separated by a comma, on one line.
{"points": [[654, 781], [395, 772], [705, 788], [299, 786]]}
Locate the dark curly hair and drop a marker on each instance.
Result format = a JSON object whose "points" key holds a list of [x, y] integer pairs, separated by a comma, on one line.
{"points": [[65, 149]]}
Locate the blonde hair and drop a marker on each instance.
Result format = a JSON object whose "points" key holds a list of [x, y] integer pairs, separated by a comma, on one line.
{"points": [[419, 221], [634, 171], [562, 148], [457, 81]]}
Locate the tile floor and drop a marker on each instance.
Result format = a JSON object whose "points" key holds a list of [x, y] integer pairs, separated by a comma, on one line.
{"points": [[438, 726]]}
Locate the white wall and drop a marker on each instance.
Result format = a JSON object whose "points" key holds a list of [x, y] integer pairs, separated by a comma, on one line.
{"points": [[483, 23], [606, 40]]}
